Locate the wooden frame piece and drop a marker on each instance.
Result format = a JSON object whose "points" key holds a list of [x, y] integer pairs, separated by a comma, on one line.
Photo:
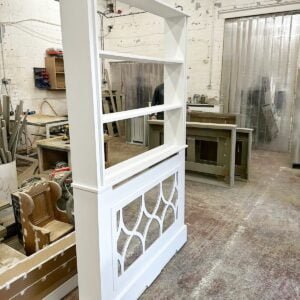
{"points": [[243, 153]]}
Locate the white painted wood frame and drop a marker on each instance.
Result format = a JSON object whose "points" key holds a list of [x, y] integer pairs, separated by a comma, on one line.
{"points": [[101, 194]]}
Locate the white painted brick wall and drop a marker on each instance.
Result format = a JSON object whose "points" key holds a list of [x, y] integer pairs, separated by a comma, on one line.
{"points": [[142, 34], [24, 48]]}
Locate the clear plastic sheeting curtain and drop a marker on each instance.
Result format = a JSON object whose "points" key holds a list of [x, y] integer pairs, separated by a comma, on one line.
{"points": [[259, 73], [137, 81]]}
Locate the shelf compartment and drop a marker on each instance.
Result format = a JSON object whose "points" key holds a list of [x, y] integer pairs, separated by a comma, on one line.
{"points": [[126, 169]]}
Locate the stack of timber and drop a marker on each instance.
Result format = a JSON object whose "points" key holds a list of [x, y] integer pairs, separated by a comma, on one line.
{"points": [[10, 130]]}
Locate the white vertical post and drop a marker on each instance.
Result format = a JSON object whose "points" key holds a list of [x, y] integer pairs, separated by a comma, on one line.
{"points": [[175, 80], [83, 82]]}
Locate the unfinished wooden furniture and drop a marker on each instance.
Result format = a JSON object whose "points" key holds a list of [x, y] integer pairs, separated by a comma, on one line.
{"points": [[211, 117], [42, 221], [244, 139], [3, 231], [8, 258], [243, 153], [47, 273], [53, 150], [243, 147], [55, 68], [211, 149], [101, 195]]}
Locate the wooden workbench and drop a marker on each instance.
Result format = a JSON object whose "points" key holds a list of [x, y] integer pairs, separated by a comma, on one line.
{"points": [[43, 120], [50, 151]]}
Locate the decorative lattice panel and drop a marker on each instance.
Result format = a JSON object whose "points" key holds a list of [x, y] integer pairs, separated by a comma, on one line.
{"points": [[144, 220]]}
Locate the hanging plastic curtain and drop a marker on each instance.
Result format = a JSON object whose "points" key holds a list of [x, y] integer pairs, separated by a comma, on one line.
{"points": [[137, 81], [259, 73]]}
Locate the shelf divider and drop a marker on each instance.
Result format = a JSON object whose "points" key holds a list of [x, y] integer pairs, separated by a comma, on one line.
{"points": [[139, 112], [137, 58]]}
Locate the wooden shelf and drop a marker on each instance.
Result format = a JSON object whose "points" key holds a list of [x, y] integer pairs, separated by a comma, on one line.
{"points": [[137, 164], [55, 69], [138, 58], [139, 112]]}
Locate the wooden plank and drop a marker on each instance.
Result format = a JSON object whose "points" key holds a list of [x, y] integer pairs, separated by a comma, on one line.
{"points": [[205, 168], [191, 150], [3, 231], [4, 205], [154, 136], [113, 104], [210, 126], [3, 155], [107, 111], [119, 109], [4, 138], [6, 111]]}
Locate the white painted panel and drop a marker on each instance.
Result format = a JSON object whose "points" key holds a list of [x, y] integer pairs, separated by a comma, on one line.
{"points": [[157, 7]]}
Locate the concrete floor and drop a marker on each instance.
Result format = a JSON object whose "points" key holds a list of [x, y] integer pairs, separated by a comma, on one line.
{"points": [[243, 242]]}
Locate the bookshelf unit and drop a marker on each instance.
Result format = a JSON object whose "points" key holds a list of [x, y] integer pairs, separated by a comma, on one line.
{"points": [[100, 194], [55, 68]]}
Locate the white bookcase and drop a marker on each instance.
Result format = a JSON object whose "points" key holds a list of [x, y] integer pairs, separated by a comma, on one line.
{"points": [[100, 194]]}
